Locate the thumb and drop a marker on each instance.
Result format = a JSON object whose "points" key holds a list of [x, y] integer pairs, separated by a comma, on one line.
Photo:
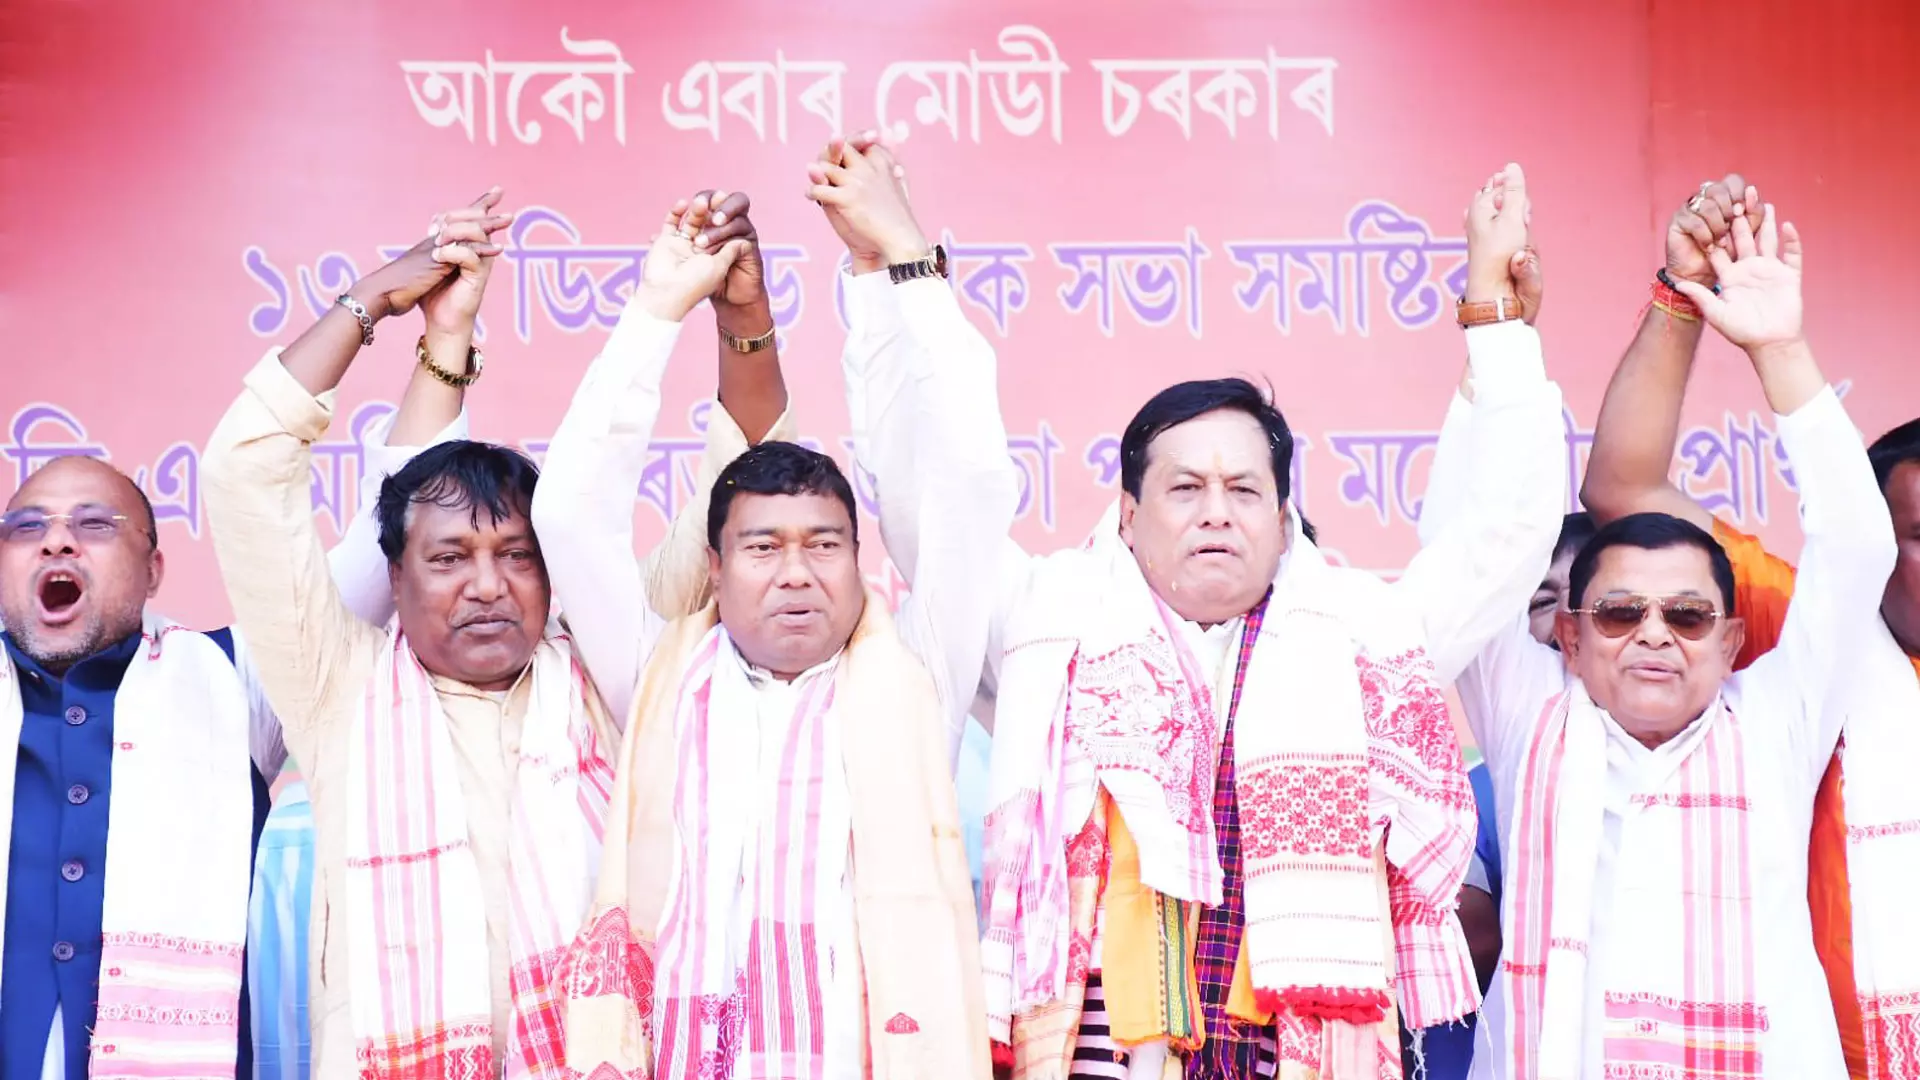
{"points": [[732, 251], [1701, 296]]}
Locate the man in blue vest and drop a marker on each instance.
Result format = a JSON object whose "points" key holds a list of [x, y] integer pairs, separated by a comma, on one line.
{"points": [[135, 758]]}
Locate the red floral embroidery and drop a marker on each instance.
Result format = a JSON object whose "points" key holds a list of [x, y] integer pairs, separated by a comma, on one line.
{"points": [[1304, 810], [1405, 707]]}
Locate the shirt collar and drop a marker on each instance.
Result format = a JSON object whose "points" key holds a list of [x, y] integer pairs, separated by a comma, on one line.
{"points": [[761, 677]]}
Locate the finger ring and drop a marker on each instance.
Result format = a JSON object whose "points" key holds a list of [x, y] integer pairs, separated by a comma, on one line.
{"points": [[1693, 204]]}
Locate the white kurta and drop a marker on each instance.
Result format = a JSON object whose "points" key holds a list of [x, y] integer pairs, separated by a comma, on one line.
{"points": [[936, 374], [583, 512], [1788, 737]]}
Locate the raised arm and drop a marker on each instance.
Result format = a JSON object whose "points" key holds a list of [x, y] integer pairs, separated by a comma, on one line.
{"points": [[583, 505], [257, 470], [1633, 441], [1476, 572], [923, 391], [752, 394], [1850, 548]]}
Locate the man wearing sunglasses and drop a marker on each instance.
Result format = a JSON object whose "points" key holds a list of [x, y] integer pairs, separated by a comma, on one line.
{"points": [[1864, 849], [145, 753], [1654, 803]]}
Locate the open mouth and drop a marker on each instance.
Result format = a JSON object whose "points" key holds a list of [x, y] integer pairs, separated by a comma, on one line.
{"points": [[59, 594]]}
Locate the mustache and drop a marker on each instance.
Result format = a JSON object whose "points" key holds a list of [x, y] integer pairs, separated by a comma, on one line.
{"points": [[486, 615]]}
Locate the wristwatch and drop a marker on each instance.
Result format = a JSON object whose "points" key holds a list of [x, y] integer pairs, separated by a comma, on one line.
{"points": [[752, 344], [933, 264], [1483, 312]]}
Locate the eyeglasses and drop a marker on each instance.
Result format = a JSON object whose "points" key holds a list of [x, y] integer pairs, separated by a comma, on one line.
{"points": [[89, 524], [1691, 617]]}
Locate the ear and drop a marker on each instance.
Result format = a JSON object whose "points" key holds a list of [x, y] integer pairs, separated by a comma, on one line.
{"points": [[1286, 526], [1128, 504], [393, 576], [1732, 637], [1566, 631], [713, 572], [156, 570]]}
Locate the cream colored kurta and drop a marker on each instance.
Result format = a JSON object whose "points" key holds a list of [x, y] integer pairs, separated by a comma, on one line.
{"points": [[314, 658]]}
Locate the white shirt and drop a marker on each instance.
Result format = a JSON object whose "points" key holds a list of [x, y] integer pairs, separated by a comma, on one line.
{"points": [[583, 512], [777, 703], [921, 389], [1787, 734], [932, 383]]}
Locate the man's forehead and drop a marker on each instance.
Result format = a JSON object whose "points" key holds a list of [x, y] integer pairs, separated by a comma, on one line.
{"points": [[1220, 441], [806, 511], [74, 480], [432, 522], [1677, 569]]}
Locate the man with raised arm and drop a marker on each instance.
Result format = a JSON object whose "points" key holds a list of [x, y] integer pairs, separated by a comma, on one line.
{"points": [[785, 890], [1864, 849], [1654, 801], [458, 761], [1229, 821], [133, 807]]}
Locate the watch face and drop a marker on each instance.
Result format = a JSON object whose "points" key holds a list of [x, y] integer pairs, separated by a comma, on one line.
{"points": [[940, 259]]}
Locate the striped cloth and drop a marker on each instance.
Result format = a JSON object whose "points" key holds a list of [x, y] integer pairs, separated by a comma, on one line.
{"points": [[1675, 1011], [1234, 1049], [747, 988], [421, 1000], [277, 924]]}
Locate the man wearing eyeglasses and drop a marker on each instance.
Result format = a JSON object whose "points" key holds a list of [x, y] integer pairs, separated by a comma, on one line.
{"points": [[1654, 802], [130, 808]]}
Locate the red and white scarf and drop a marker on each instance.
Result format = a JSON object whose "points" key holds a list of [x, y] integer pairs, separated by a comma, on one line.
{"points": [[755, 954], [744, 990], [421, 991], [1343, 735], [179, 858], [1688, 1007], [1882, 805]]}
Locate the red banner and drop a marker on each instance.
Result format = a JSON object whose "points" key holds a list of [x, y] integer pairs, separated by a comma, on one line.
{"points": [[1133, 193]]}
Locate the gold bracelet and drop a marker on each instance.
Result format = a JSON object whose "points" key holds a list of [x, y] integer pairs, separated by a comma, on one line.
{"points": [[459, 382], [748, 345]]}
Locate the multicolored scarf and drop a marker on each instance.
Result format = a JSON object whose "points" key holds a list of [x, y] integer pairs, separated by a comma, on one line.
{"points": [[1688, 1010], [418, 964], [179, 839], [1342, 724], [664, 982]]}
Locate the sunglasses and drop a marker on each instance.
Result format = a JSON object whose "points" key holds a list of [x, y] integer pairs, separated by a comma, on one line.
{"points": [[1690, 617]]}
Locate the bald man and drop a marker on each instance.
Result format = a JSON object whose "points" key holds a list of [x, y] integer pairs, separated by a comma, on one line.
{"points": [[134, 799]]}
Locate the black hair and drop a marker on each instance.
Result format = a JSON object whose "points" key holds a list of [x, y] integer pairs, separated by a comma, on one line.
{"points": [[1894, 449], [1182, 402], [455, 475], [1652, 532], [1576, 531], [777, 468]]}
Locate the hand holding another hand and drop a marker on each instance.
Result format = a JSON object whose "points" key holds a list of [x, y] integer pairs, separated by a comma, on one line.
{"points": [[1499, 260], [678, 274], [863, 191]]}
